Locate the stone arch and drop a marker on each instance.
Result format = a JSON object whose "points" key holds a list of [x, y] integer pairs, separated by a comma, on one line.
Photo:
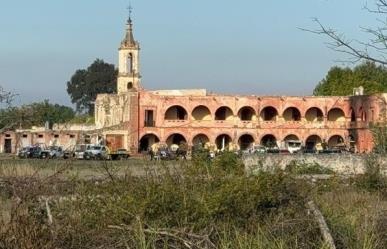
{"points": [[200, 139], [312, 141], [147, 141], [246, 141], [201, 112], [175, 138], [291, 137], [269, 113], [335, 140], [336, 114], [176, 112], [247, 113], [291, 114], [314, 114], [223, 141], [224, 113], [269, 141]]}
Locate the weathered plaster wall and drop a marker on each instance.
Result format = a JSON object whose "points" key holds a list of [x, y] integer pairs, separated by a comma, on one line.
{"points": [[341, 163]]}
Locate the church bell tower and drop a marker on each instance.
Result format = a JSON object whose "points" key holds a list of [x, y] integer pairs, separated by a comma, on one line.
{"points": [[128, 64]]}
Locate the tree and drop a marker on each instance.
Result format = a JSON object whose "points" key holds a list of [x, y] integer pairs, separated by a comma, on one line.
{"points": [[341, 81], [85, 84], [6, 97], [374, 50], [37, 114]]}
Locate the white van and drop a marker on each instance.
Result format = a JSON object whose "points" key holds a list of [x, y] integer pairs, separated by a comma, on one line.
{"points": [[293, 146], [79, 150]]}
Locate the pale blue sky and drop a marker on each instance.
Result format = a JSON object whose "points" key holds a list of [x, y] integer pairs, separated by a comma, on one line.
{"points": [[247, 46]]}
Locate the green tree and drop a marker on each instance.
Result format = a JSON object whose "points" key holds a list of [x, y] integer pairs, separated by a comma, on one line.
{"points": [[85, 84], [37, 114], [341, 81]]}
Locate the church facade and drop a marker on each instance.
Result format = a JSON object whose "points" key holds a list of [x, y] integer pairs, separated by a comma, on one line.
{"points": [[136, 118]]}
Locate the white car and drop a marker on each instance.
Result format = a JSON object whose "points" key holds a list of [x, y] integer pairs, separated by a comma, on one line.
{"points": [[293, 146], [96, 152], [80, 150]]}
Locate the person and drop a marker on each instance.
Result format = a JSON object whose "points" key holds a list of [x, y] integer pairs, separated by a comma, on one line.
{"points": [[182, 150], [151, 153]]}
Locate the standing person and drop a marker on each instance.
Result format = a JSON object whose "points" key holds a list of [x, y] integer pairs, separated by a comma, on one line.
{"points": [[151, 153], [183, 147]]}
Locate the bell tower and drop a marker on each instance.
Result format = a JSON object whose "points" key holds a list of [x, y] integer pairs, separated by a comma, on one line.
{"points": [[128, 62]]}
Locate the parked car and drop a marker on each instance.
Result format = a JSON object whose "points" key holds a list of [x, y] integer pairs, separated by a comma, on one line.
{"points": [[293, 146], [55, 152], [274, 150], [258, 149], [79, 151], [33, 152], [26, 152], [96, 152]]}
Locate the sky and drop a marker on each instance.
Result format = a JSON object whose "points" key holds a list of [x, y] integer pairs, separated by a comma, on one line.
{"points": [[251, 47]]}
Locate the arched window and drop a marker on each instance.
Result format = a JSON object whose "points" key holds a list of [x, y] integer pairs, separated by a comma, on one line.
{"points": [[200, 140], [247, 113], [176, 138], [147, 141], [129, 63], [224, 113], [246, 142], [269, 113], [269, 141], [336, 114], [314, 114], [291, 137], [223, 141], [176, 112], [130, 85], [336, 141], [201, 112], [353, 116], [292, 114], [312, 141]]}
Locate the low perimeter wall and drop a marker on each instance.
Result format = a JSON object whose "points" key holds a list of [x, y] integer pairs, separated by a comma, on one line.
{"points": [[347, 164]]}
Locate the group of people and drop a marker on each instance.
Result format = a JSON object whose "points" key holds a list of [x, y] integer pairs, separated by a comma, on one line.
{"points": [[160, 151]]}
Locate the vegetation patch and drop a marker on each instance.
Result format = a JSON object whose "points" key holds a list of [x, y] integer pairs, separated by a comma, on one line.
{"points": [[303, 168]]}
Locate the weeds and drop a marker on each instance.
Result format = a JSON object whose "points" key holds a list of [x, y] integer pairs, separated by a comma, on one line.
{"points": [[373, 178], [303, 168], [203, 204]]}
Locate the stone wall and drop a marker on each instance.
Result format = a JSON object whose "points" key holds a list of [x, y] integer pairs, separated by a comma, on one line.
{"points": [[347, 164]]}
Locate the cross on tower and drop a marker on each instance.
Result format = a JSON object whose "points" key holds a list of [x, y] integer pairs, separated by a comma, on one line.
{"points": [[130, 9]]}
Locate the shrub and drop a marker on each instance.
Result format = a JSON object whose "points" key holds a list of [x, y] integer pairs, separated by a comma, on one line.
{"points": [[373, 178], [229, 163], [303, 168]]}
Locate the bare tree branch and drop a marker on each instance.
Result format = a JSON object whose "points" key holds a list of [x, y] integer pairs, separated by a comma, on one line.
{"points": [[340, 43], [6, 97], [373, 50]]}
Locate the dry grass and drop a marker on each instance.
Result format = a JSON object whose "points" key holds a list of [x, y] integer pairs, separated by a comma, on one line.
{"points": [[357, 219], [197, 205]]}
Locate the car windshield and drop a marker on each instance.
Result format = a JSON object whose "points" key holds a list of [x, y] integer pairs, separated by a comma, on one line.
{"points": [[294, 144], [96, 147]]}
